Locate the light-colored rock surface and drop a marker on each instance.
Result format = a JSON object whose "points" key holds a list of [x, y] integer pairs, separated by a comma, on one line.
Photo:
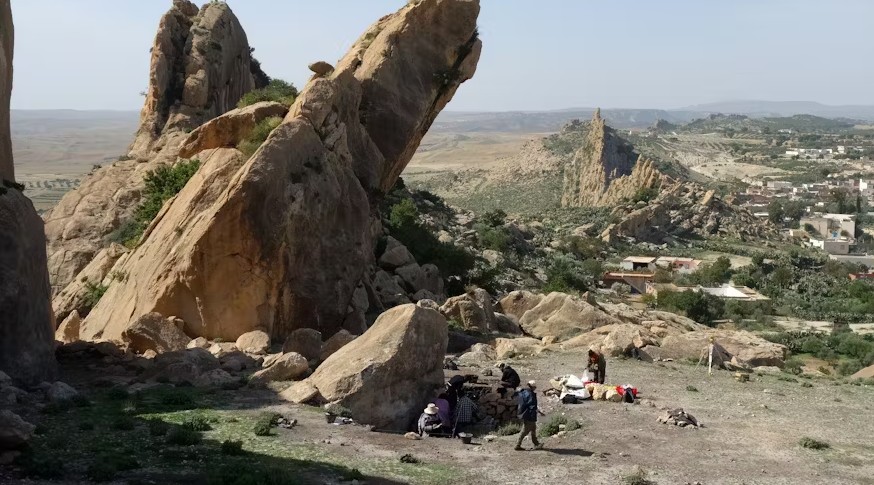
{"points": [[866, 373], [199, 342], [478, 354], [395, 255], [227, 130], [605, 170], [516, 303], [506, 348], [200, 67], [348, 134], [155, 332], [14, 431], [288, 367], [181, 366], [97, 272], [27, 326], [214, 378], [335, 343], [254, 342], [748, 349], [473, 310], [400, 356], [306, 342], [563, 316], [68, 330], [220, 349]]}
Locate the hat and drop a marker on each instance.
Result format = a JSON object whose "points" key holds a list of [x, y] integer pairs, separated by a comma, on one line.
{"points": [[500, 365], [532, 384], [432, 409]]}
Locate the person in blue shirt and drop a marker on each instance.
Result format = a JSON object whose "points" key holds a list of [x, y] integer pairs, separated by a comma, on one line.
{"points": [[528, 412]]}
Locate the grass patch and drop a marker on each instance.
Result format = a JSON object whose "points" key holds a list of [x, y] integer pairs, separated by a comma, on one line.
{"points": [[258, 135], [410, 460], [264, 425], [230, 447], [183, 437], [277, 90], [509, 429], [638, 477], [197, 423], [691, 388], [553, 426], [813, 444]]}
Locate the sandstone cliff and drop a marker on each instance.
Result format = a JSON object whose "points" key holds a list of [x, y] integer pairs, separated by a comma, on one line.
{"points": [[200, 67], [26, 327], [282, 240], [605, 170]]}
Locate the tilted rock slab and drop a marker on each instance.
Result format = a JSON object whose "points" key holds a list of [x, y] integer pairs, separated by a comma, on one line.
{"points": [[386, 376], [26, 324], [200, 68], [282, 242]]}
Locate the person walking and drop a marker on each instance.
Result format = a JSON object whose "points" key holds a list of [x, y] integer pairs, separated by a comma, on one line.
{"points": [[528, 414]]}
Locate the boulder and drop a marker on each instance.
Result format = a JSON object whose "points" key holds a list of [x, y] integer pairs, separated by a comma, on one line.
{"points": [[396, 255], [68, 331], [304, 341], [254, 342], [14, 431], [748, 349], [866, 373], [516, 303], [229, 129], [507, 324], [388, 290], [300, 392], [27, 326], [199, 342], [321, 68], [563, 316], [181, 366], [214, 378], [478, 354], [412, 276], [625, 337], [472, 310], [335, 343], [5, 380], [288, 367], [270, 360], [237, 361], [282, 239], [154, 332], [385, 375], [506, 348], [220, 349], [59, 391], [460, 342]]}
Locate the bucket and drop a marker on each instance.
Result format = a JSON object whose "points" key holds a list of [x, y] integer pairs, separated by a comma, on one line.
{"points": [[330, 418], [465, 437]]}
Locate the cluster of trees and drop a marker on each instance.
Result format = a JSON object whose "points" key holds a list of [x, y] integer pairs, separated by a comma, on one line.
{"points": [[848, 352]]}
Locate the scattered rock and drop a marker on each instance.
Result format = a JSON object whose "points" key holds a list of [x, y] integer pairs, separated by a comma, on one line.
{"points": [[199, 342], [288, 367], [506, 348], [214, 378], [154, 332], [304, 341], [335, 343], [59, 391], [254, 342], [321, 68], [14, 431], [221, 349]]}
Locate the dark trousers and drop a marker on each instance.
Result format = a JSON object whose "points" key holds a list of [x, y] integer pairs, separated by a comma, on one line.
{"points": [[528, 427]]}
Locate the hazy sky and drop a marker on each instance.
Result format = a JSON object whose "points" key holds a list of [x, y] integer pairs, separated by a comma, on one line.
{"points": [[538, 54]]}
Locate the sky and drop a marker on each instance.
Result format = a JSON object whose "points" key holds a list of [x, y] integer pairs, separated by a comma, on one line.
{"points": [[537, 55]]}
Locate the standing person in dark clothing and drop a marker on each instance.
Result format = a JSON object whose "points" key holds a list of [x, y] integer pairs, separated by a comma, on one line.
{"points": [[528, 414], [509, 378], [597, 367]]}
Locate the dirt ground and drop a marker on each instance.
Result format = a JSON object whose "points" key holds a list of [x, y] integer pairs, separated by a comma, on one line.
{"points": [[751, 434]]}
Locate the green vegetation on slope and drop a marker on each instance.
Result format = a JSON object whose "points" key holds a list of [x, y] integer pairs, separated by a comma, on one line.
{"points": [[161, 184], [277, 90], [258, 135]]}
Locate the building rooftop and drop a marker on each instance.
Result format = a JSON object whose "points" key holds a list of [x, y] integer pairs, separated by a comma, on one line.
{"points": [[640, 259]]}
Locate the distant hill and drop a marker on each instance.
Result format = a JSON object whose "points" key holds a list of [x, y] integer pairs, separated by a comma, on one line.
{"points": [[552, 121], [785, 108]]}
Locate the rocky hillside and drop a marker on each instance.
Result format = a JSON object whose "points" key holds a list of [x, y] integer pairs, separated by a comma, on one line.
{"points": [[283, 239], [26, 326], [200, 67], [605, 170]]}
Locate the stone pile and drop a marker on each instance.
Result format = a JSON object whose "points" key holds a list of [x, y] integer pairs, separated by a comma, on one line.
{"points": [[679, 417], [501, 409]]}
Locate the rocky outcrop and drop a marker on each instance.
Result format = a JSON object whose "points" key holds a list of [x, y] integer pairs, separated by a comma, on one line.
{"points": [[26, 323], [563, 316], [200, 67], [386, 375], [75, 297], [155, 332], [606, 170], [283, 241], [686, 210], [746, 349], [227, 130]]}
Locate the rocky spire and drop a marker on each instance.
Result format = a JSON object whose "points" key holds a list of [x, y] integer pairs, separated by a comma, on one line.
{"points": [[200, 68], [26, 327], [282, 239], [605, 170]]}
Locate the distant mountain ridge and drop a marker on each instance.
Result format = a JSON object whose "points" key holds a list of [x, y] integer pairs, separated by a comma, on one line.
{"points": [[786, 108]]}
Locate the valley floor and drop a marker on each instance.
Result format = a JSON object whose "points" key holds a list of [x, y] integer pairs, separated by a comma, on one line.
{"points": [[751, 435]]}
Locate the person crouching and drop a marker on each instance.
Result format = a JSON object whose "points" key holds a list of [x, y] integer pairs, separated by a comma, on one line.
{"points": [[430, 422]]}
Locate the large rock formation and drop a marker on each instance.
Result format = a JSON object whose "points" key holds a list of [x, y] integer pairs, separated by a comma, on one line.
{"points": [[386, 375], [281, 241], [200, 67], [606, 170], [26, 323]]}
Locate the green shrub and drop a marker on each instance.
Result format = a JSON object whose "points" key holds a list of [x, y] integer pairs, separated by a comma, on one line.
{"points": [[258, 136], [496, 238], [123, 423], [793, 365], [813, 444], [182, 436], [509, 429], [849, 367], [264, 425], [197, 423], [158, 427], [699, 306], [232, 447], [160, 185], [638, 477], [93, 293], [410, 459], [573, 425], [277, 90], [552, 426]]}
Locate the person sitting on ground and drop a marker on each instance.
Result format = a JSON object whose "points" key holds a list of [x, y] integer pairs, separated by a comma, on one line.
{"points": [[444, 412], [509, 378], [528, 412], [597, 367], [429, 421]]}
